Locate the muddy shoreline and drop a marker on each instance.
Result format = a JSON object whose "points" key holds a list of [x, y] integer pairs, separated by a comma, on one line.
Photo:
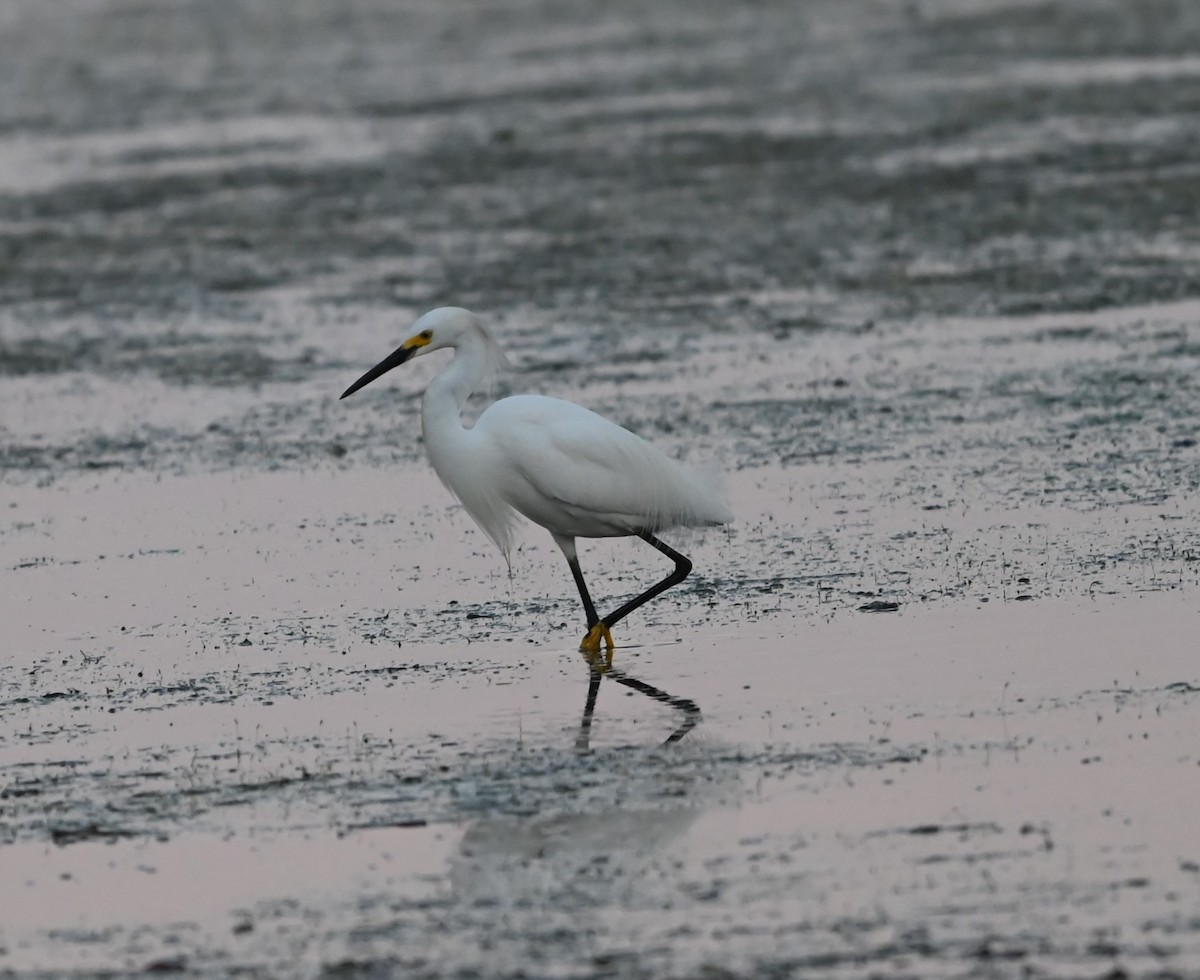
{"points": [[918, 279]]}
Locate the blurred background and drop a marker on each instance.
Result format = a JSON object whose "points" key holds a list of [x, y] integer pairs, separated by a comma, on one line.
{"points": [[203, 199]]}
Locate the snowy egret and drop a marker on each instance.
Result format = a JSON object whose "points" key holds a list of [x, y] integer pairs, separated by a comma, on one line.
{"points": [[566, 468]]}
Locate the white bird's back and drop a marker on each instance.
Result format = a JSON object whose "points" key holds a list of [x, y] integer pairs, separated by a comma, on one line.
{"points": [[579, 475]]}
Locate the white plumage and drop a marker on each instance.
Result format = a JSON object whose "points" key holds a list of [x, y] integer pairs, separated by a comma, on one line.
{"points": [[561, 466]]}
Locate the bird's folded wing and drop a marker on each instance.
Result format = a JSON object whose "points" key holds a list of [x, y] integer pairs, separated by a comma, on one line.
{"points": [[594, 467]]}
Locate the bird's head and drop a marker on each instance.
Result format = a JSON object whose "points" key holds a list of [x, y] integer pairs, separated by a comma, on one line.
{"points": [[447, 326]]}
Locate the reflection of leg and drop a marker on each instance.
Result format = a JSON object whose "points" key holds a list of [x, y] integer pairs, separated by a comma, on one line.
{"points": [[689, 708], [691, 711], [589, 709], [683, 568]]}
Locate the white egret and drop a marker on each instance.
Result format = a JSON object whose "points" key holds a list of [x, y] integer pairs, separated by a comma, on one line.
{"points": [[568, 469]]}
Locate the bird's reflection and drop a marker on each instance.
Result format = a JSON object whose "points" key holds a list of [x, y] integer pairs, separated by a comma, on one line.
{"points": [[584, 851], [600, 668]]}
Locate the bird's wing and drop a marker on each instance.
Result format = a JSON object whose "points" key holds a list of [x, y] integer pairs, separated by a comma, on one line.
{"points": [[588, 468]]}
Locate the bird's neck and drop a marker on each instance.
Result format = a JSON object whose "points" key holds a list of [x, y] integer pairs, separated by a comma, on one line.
{"points": [[446, 396]]}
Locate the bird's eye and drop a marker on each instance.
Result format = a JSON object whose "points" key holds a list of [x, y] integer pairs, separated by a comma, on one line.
{"points": [[427, 335]]}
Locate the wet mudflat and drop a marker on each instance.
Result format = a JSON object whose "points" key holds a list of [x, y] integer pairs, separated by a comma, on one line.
{"points": [[919, 279]]}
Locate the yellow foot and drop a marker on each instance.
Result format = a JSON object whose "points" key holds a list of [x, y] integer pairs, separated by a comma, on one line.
{"points": [[591, 646]]}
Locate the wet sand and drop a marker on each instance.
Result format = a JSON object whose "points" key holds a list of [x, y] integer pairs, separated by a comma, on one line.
{"points": [[919, 280]]}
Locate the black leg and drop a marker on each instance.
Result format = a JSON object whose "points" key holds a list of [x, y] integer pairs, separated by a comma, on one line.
{"points": [[683, 568], [588, 608]]}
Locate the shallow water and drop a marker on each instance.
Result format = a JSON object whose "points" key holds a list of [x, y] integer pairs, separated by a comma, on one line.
{"points": [[919, 280], [921, 791]]}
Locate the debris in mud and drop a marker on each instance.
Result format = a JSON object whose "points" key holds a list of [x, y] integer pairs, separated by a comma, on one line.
{"points": [[65, 835], [879, 606]]}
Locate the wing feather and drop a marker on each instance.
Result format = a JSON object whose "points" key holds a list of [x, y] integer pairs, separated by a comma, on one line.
{"points": [[578, 473]]}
